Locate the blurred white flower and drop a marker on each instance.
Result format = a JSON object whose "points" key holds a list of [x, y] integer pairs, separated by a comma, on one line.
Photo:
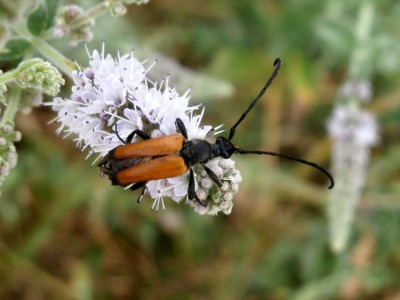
{"points": [[353, 132], [360, 90], [114, 94]]}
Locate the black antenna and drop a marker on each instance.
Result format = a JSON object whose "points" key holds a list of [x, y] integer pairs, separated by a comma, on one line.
{"points": [[277, 65], [312, 164]]}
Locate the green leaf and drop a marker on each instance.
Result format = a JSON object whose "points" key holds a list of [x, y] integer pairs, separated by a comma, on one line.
{"points": [[16, 49], [37, 19], [52, 6]]}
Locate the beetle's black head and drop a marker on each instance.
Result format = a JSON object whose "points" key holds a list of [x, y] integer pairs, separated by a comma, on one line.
{"points": [[224, 147]]}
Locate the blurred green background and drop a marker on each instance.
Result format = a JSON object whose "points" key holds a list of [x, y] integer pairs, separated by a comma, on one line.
{"points": [[68, 234]]}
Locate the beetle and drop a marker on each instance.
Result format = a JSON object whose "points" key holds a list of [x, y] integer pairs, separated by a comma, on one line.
{"points": [[134, 164]]}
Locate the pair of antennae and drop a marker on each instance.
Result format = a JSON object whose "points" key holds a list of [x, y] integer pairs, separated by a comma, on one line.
{"points": [[277, 65]]}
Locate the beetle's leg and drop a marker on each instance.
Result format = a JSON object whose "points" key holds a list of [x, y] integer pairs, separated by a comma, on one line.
{"points": [[140, 133], [118, 136], [191, 187], [192, 190], [214, 177], [139, 200], [143, 135], [180, 127], [139, 185]]}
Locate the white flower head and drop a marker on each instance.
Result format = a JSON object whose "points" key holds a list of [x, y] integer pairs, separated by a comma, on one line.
{"points": [[217, 198], [112, 97], [353, 132]]}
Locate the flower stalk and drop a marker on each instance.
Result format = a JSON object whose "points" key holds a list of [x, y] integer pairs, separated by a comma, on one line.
{"points": [[12, 105], [53, 55], [45, 49], [90, 14]]}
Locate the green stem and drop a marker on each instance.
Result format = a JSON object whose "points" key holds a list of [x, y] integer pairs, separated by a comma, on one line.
{"points": [[360, 65], [53, 55], [7, 76], [91, 13], [50, 53], [12, 105]]}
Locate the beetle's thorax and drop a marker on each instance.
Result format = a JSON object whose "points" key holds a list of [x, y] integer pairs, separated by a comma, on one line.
{"points": [[199, 151]]}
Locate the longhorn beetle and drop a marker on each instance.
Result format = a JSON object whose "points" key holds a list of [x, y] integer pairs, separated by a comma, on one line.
{"points": [[134, 164]]}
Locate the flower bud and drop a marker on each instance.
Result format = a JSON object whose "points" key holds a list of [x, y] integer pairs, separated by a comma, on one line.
{"points": [[40, 75]]}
